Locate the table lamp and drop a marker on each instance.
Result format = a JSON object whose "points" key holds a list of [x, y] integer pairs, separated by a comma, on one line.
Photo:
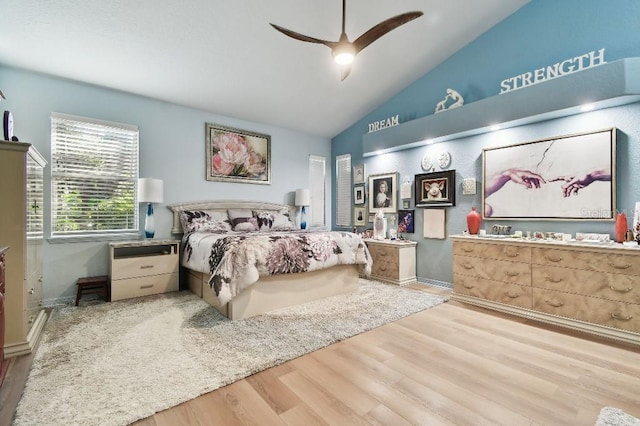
{"points": [[150, 191], [303, 199]]}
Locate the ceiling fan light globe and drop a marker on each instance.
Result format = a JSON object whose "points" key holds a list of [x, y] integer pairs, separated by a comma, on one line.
{"points": [[344, 58]]}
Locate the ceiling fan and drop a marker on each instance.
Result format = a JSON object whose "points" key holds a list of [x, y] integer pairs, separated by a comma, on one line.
{"points": [[343, 50]]}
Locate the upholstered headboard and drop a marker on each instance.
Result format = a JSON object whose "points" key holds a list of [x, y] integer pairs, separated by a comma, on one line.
{"points": [[223, 205]]}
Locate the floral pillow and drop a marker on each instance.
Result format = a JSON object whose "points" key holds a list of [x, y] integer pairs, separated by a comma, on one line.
{"points": [[204, 221], [273, 221], [242, 220]]}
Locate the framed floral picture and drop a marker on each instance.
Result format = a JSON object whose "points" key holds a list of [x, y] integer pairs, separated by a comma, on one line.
{"points": [[358, 194], [235, 155], [383, 192]]}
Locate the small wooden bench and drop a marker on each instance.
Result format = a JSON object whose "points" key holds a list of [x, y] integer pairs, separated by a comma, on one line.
{"points": [[93, 285]]}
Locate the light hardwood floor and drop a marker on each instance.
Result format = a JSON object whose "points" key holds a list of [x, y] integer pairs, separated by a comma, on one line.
{"points": [[451, 365]]}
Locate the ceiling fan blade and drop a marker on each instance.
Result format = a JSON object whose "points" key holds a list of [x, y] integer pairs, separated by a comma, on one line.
{"points": [[384, 27], [303, 37], [345, 70]]}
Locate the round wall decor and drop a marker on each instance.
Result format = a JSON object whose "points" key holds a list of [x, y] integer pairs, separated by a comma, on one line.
{"points": [[444, 159], [426, 163]]}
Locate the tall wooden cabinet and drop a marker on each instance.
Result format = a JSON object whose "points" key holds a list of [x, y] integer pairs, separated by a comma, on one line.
{"points": [[21, 228]]}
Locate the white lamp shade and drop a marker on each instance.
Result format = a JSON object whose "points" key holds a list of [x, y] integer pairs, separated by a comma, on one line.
{"points": [[150, 190], [303, 197]]}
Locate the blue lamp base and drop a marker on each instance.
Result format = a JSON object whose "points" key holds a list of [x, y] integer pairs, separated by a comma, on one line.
{"points": [[149, 223], [303, 218]]}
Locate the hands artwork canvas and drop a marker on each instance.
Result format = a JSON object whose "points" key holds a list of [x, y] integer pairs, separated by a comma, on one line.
{"points": [[568, 177]]}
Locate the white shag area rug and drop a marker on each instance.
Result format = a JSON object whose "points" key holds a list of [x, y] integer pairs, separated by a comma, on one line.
{"points": [[610, 416], [115, 363]]}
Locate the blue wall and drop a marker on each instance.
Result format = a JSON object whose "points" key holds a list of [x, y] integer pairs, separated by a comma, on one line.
{"points": [[172, 148], [541, 33]]}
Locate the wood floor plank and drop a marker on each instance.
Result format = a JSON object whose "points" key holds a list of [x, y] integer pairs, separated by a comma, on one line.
{"points": [[273, 391]]}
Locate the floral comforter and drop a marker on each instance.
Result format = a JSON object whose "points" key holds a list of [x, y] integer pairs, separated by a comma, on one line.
{"points": [[237, 260]]}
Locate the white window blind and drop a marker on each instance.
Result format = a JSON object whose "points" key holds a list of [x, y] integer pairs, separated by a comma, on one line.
{"points": [[343, 190], [317, 186], [94, 172]]}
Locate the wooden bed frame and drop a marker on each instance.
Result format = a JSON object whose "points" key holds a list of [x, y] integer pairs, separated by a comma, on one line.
{"points": [[272, 292]]}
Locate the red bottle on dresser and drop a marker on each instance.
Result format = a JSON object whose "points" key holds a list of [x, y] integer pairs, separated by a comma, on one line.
{"points": [[473, 221]]}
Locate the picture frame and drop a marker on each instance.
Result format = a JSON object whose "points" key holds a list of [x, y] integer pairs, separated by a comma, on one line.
{"points": [[358, 194], [437, 189], [235, 155], [406, 221], [383, 192], [569, 177], [359, 174], [359, 216]]}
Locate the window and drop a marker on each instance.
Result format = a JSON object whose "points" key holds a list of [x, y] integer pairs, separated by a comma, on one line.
{"points": [[94, 171], [316, 180], [343, 190]]}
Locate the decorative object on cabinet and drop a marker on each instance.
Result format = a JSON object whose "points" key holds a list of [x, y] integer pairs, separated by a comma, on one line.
{"points": [[23, 167], [636, 222], [359, 171], [303, 200], [393, 261], [469, 186], [405, 221], [444, 160], [141, 268], [150, 191], [621, 227], [426, 163], [7, 125], [433, 223], [473, 221], [452, 100], [359, 216], [569, 177], [358, 194], [383, 189], [581, 286], [379, 226], [435, 189], [224, 161]]}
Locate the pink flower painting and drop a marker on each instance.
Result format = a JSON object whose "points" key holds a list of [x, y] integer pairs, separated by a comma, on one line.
{"points": [[236, 156]]}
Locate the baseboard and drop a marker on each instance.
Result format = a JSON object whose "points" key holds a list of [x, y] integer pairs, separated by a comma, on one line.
{"points": [[435, 283]]}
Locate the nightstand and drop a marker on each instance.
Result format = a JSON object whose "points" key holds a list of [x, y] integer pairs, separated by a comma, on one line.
{"points": [[394, 261], [144, 267]]}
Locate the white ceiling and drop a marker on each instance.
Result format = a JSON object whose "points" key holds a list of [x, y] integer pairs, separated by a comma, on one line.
{"points": [[224, 57]]}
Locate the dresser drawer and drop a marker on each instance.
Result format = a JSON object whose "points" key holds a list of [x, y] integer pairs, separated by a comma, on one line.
{"points": [[143, 286], [511, 294], [131, 267], [498, 270], [625, 316], [493, 251], [383, 253], [387, 268], [612, 262], [623, 288]]}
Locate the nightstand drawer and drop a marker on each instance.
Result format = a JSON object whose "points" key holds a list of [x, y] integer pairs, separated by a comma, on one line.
{"points": [[143, 286], [131, 267]]}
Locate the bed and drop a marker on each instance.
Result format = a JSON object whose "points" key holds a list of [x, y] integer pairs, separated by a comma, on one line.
{"points": [[246, 258]]}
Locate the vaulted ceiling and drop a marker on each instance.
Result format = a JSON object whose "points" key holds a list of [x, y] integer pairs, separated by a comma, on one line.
{"points": [[224, 57]]}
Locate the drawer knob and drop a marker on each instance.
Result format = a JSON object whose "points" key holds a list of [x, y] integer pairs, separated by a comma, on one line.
{"points": [[548, 278], [620, 317], [467, 249], [621, 290], [619, 266], [146, 286], [554, 303], [512, 274], [510, 253], [146, 266], [511, 295], [467, 286], [553, 258], [466, 265]]}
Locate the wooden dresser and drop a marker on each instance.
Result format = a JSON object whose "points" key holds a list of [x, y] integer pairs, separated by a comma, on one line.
{"points": [[393, 261], [21, 228], [588, 287]]}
